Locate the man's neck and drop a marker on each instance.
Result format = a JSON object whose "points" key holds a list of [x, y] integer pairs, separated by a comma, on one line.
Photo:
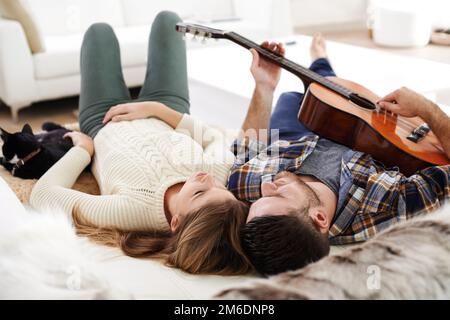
{"points": [[327, 198], [325, 195]]}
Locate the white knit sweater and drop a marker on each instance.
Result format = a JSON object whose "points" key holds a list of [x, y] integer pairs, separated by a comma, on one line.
{"points": [[135, 163]]}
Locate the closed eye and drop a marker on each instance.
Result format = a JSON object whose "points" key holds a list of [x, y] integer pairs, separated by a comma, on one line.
{"points": [[198, 192]]}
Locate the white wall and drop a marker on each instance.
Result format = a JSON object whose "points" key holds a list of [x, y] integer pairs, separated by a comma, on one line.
{"points": [[317, 12], [440, 9], [342, 12]]}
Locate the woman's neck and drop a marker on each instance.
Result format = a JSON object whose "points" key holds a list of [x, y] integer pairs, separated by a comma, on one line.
{"points": [[170, 200]]}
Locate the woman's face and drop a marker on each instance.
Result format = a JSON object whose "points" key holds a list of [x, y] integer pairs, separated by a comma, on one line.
{"points": [[199, 190]]}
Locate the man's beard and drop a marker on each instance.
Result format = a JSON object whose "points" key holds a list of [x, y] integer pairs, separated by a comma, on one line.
{"points": [[307, 191]]}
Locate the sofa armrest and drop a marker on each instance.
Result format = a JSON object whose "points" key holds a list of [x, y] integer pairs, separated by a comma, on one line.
{"points": [[272, 15], [17, 82]]}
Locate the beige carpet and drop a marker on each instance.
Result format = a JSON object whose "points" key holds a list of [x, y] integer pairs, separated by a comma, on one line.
{"points": [[22, 187]]}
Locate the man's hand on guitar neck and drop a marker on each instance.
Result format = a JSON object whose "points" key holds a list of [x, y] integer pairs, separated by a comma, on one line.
{"points": [[408, 103], [266, 76]]}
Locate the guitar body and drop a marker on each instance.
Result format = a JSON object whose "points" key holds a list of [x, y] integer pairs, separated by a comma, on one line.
{"points": [[378, 133]]}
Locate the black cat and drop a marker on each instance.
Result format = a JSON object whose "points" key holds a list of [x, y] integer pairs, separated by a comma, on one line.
{"points": [[29, 156]]}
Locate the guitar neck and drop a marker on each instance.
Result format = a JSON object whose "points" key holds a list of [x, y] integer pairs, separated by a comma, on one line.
{"points": [[306, 76]]}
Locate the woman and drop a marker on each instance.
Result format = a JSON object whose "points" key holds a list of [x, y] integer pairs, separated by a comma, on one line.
{"points": [[161, 173]]}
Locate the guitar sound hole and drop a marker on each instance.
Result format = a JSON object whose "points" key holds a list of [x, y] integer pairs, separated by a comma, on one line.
{"points": [[362, 102]]}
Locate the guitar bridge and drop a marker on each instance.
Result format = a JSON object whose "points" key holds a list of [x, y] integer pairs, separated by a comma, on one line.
{"points": [[419, 133]]}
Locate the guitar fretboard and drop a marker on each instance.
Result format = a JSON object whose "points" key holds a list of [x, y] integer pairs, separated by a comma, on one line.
{"points": [[307, 76]]}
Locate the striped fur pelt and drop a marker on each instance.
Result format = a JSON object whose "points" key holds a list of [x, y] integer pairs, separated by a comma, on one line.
{"points": [[410, 260]]}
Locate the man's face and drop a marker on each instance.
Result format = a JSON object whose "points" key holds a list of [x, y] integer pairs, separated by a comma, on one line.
{"points": [[287, 193]]}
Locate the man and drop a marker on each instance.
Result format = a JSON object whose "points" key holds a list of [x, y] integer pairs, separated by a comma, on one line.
{"points": [[308, 192]]}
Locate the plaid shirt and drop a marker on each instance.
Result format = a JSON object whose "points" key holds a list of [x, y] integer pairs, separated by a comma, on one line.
{"points": [[371, 197]]}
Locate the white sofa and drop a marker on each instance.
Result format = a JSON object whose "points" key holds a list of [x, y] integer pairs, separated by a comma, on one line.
{"points": [[26, 78]]}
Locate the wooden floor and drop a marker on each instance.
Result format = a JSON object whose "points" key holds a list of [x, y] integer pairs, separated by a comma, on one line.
{"points": [[361, 38], [59, 111], [63, 111]]}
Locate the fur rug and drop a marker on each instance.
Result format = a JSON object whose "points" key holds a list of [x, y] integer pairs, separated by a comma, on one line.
{"points": [[42, 258], [408, 261]]}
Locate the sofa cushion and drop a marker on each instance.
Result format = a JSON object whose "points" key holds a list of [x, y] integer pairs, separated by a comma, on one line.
{"points": [[62, 57], [17, 10], [58, 17]]}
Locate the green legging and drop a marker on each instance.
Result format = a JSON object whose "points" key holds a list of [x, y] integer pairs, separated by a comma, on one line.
{"points": [[102, 83]]}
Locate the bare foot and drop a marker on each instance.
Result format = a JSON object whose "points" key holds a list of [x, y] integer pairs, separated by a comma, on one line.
{"points": [[318, 47]]}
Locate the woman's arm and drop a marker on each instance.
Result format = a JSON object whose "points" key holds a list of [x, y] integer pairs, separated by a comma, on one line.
{"points": [[53, 193], [143, 110], [65, 172], [182, 123]]}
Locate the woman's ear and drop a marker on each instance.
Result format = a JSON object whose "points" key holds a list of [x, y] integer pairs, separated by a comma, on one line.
{"points": [[320, 220], [174, 223]]}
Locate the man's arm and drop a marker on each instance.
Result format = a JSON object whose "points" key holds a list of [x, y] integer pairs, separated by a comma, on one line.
{"points": [[408, 103], [257, 119], [267, 76], [439, 123]]}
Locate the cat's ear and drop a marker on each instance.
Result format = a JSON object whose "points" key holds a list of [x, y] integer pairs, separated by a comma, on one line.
{"points": [[27, 129], [4, 134]]}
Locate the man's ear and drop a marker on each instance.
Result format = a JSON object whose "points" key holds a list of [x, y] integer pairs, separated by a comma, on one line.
{"points": [[4, 134], [174, 223], [27, 129], [320, 220]]}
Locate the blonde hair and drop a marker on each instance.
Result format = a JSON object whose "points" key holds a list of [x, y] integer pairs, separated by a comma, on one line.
{"points": [[207, 240]]}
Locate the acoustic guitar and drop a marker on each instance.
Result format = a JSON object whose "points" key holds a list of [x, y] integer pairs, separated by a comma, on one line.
{"points": [[347, 113]]}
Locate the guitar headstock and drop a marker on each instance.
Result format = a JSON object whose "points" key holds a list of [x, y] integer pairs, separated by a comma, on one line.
{"points": [[200, 31]]}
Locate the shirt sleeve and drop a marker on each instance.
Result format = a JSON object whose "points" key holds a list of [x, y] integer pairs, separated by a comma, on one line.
{"points": [[427, 190], [199, 132], [245, 149], [379, 198], [213, 142]]}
